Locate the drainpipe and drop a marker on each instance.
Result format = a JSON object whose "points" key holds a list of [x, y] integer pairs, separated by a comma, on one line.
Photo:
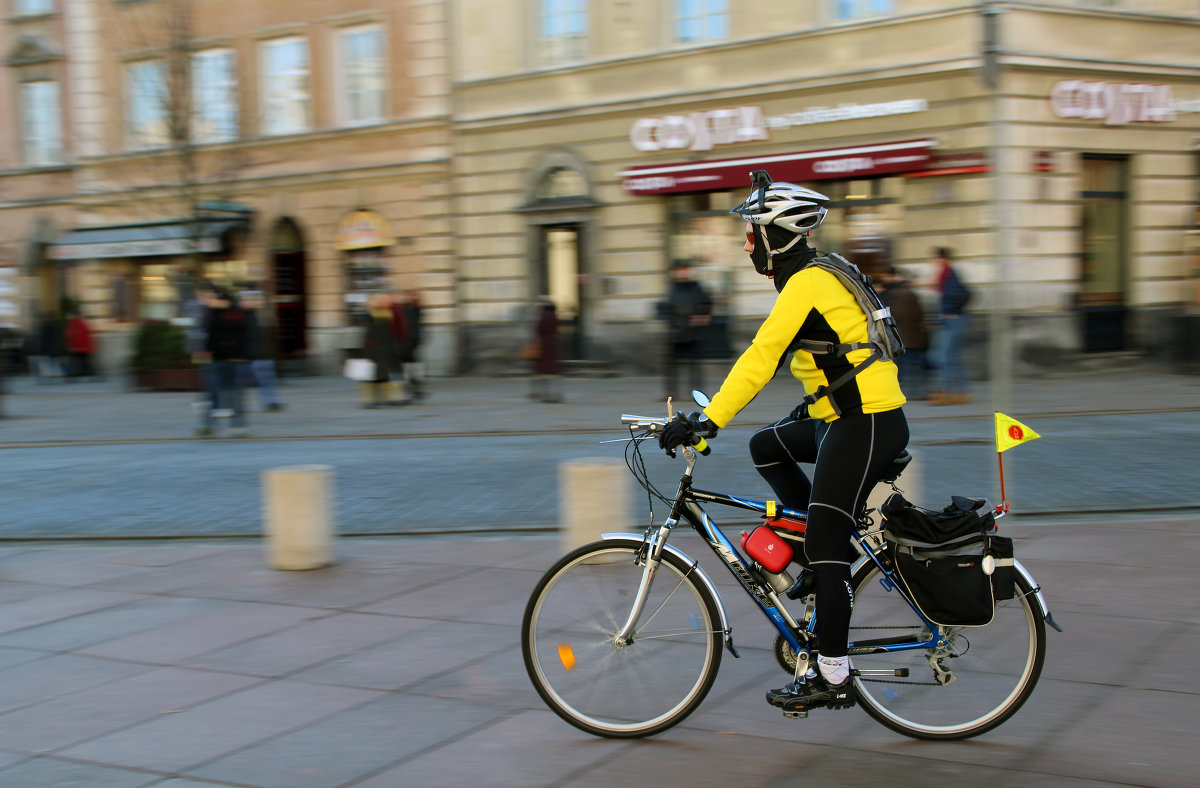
{"points": [[1000, 346]]}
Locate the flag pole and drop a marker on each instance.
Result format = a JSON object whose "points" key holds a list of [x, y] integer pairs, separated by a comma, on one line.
{"points": [[1003, 497]]}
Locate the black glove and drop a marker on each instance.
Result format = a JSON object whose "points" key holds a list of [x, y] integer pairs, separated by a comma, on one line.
{"points": [[685, 429]]}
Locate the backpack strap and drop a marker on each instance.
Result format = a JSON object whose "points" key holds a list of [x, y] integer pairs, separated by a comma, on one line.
{"points": [[846, 378], [818, 348]]}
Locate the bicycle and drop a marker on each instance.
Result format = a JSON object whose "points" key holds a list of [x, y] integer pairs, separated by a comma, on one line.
{"points": [[623, 637]]}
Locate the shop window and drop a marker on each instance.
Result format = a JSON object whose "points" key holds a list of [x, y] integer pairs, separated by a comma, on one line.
{"points": [[33, 7], [563, 27], [854, 9], [158, 297], [366, 273], [41, 123], [363, 64], [285, 86], [146, 104], [214, 96], [701, 20]]}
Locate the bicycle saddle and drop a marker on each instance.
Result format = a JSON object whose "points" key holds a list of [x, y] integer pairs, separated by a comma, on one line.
{"points": [[896, 467]]}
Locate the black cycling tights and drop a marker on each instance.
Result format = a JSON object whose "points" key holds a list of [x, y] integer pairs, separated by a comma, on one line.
{"points": [[850, 454]]}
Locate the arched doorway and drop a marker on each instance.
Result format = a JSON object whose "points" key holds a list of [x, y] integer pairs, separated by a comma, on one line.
{"points": [[559, 207], [289, 276]]}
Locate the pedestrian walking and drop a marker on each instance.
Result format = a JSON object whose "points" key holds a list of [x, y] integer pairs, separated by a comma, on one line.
{"points": [[897, 292], [404, 348], [953, 387], [407, 308], [195, 313], [228, 345], [50, 349], [688, 309], [378, 347], [547, 366], [262, 352], [80, 344]]}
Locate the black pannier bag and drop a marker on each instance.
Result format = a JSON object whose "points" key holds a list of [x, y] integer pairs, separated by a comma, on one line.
{"points": [[939, 557]]}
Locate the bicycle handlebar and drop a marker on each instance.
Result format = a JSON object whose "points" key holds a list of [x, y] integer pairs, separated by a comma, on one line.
{"points": [[655, 425]]}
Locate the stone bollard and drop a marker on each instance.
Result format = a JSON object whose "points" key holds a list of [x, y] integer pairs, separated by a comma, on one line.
{"points": [[909, 482], [298, 516], [593, 498]]}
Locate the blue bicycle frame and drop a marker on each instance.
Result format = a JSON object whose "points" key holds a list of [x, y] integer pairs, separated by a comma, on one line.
{"points": [[738, 565]]}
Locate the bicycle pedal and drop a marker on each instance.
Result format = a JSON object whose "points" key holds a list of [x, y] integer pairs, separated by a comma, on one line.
{"points": [[796, 715]]}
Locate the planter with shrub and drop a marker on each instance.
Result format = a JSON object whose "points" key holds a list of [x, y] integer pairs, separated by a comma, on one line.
{"points": [[160, 359]]}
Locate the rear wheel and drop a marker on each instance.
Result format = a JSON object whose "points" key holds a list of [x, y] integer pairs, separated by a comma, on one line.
{"points": [[992, 669], [621, 691]]}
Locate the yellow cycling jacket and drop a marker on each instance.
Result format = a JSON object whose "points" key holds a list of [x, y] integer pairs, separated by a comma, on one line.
{"points": [[813, 305]]}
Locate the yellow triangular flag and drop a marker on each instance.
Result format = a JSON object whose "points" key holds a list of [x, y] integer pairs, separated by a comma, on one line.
{"points": [[1010, 432]]}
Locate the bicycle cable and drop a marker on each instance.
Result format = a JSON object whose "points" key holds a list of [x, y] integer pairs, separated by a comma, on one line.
{"points": [[635, 461]]}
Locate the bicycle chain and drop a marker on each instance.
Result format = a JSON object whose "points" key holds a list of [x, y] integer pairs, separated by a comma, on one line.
{"points": [[893, 681]]}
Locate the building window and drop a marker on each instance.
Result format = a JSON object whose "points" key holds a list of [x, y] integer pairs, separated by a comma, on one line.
{"points": [[363, 62], [41, 123], [146, 104], [285, 86], [853, 9], [562, 27], [701, 20], [33, 7], [214, 96]]}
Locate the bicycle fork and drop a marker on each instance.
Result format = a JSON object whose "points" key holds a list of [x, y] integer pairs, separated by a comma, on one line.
{"points": [[653, 558]]}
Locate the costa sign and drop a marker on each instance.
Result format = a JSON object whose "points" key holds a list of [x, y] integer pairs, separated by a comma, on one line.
{"points": [[1116, 103], [704, 130], [699, 130]]}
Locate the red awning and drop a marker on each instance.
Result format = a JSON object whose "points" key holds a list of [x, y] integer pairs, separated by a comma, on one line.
{"points": [[860, 161]]}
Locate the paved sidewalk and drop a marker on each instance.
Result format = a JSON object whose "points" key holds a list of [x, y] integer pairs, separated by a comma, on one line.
{"points": [[327, 406], [190, 664]]}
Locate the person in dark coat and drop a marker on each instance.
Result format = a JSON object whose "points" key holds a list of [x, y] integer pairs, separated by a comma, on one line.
{"points": [[228, 344], [379, 346], [408, 306], [403, 338], [262, 352], [953, 383], [688, 310], [898, 294], [51, 348], [547, 367]]}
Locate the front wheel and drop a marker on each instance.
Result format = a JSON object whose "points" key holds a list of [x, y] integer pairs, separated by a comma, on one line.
{"points": [[568, 639], [975, 681]]}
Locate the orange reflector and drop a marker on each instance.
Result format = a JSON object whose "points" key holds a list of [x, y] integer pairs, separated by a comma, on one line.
{"points": [[567, 656]]}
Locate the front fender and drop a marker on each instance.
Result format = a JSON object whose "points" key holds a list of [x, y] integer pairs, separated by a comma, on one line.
{"points": [[698, 571]]}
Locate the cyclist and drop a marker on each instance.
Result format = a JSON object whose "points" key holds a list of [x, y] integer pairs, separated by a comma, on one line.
{"points": [[852, 433]]}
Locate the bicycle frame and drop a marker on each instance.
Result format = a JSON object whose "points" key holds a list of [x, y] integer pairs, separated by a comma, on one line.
{"points": [[687, 505]]}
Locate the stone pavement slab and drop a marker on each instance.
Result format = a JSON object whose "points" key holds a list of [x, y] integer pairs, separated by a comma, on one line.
{"points": [[352, 683]]}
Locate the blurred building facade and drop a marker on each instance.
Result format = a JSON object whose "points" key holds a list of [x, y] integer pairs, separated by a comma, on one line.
{"points": [[594, 142], [489, 151], [297, 148]]}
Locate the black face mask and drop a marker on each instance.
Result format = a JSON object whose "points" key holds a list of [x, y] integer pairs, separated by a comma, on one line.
{"points": [[781, 266]]}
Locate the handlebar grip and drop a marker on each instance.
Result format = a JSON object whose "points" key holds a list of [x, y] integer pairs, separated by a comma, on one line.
{"points": [[702, 446]]}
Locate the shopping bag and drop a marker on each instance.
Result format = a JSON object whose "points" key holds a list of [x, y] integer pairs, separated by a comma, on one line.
{"points": [[362, 369], [531, 351]]}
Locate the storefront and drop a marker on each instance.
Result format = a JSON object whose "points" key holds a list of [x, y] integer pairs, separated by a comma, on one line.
{"points": [[363, 237], [131, 273]]}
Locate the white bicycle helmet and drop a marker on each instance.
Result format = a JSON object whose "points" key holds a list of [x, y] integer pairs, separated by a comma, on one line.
{"points": [[793, 209], [786, 205]]}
